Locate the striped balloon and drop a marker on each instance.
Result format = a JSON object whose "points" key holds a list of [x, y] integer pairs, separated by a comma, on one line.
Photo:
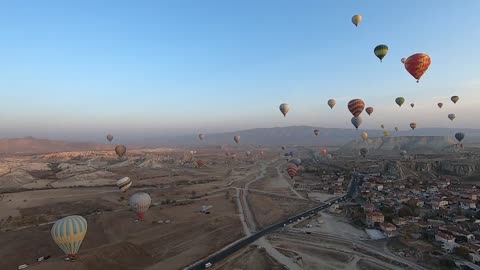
{"points": [[380, 51], [417, 65], [68, 233], [369, 110], [124, 183], [292, 170], [356, 106], [140, 202]]}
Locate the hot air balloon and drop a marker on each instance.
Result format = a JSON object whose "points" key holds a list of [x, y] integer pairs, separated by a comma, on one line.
{"points": [[331, 103], [417, 65], [356, 121], [201, 136], [283, 147], [380, 51], [412, 105], [403, 60], [413, 125], [356, 19], [201, 163], [120, 150], [316, 131], [124, 183], [364, 151], [459, 136], [454, 99], [68, 234], [329, 156], [109, 137], [451, 116], [382, 126], [297, 161], [236, 139], [140, 202], [284, 108], [356, 106], [324, 151], [369, 110], [248, 153], [386, 133], [396, 129], [400, 101], [440, 105], [292, 170], [403, 153], [364, 136]]}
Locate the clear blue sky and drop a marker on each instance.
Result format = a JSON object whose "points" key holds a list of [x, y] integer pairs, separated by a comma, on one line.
{"points": [[75, 69]]}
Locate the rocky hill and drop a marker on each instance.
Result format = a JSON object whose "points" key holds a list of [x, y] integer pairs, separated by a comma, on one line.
{"points": [[412, 144], [30, 145]]}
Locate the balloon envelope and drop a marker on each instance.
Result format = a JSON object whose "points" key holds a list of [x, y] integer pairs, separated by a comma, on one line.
{"points": [[236, 139], [356, 19], [68, 233], [417, 65], [413, 125], [459, 136], [400, 101], [284, 108], [316, 131], [201, 136], [356, 121], [364, 136], [331, 103], [140, 202], [124, 183], [440, 105], [369, 110], [120, 150], [109, 137], [412, 105], [356, 106], [380, 51], [454, 99], [451, 116]]}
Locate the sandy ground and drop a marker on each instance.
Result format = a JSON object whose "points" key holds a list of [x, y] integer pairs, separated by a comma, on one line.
{"points": [[251, 258], [335, 225]]}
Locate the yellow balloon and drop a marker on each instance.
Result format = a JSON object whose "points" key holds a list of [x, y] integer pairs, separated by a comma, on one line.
{"points": [[357, 19], [364, 136]]}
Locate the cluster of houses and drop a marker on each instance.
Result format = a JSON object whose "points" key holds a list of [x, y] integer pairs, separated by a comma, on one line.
{"points": [[328, 183], [442, 209]]}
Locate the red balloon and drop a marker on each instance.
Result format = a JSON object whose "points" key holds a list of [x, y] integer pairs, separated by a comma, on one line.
{"points": [[356, 106], [417, 65]]}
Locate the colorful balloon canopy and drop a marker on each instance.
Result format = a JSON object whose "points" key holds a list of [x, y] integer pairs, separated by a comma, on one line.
{"points": [[120, 150], [284, 108], [459, 136], [400, 101], [369, 110], [417, 65], [356, 121], [324, 151], [68, 233], [451, 116], [292, 170], [331, 103], [440, 105], [316, 132], [454, 99], [380, 51], [124, 184], [109, 137], [140, 202], [356, 19], [201, 136], [413, 125], [356, 106], [236, 139]]}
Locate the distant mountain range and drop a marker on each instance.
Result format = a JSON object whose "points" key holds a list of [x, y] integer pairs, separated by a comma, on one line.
{"points": [[30, 145], [302, 135], [293, 135]]}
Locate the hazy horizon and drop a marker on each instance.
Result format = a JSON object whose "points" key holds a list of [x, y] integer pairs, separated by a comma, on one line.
{"points": [[77, 71]]}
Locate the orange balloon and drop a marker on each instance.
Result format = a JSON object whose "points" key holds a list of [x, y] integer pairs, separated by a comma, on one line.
{"points": [[417, 65]]}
